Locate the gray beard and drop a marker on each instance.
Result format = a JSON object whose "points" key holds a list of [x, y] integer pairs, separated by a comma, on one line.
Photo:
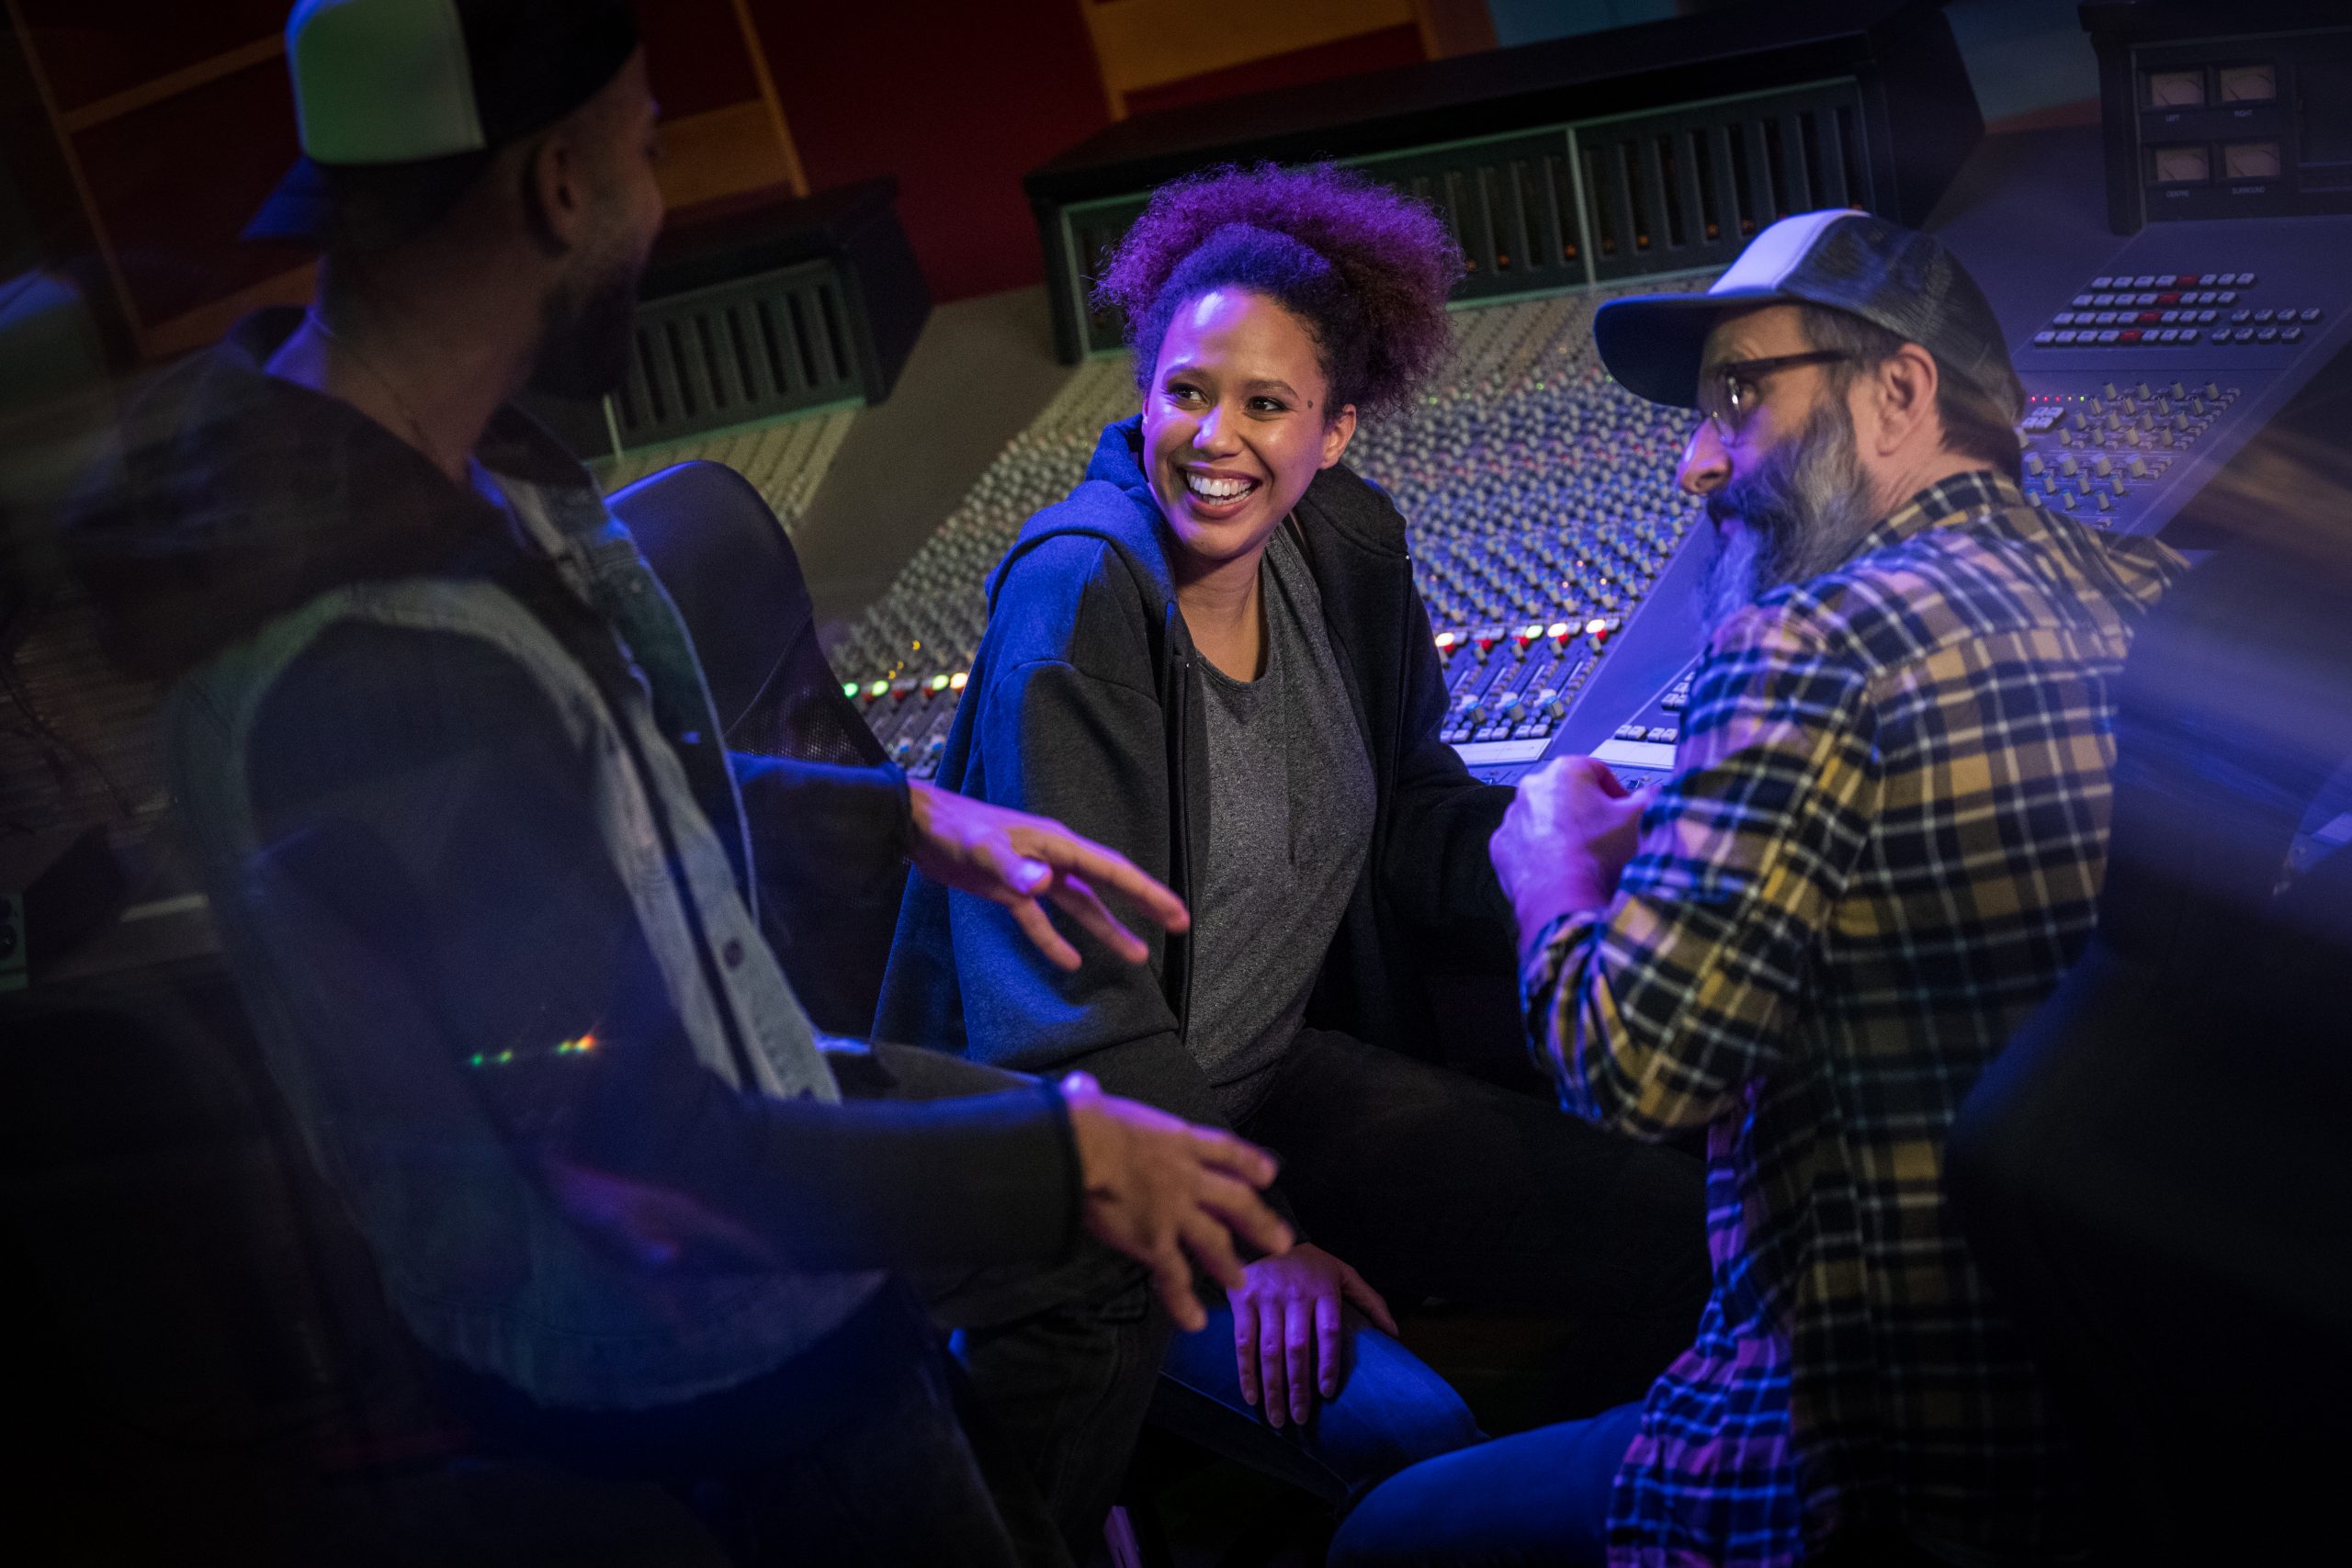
{"points": [[1801, 513]]}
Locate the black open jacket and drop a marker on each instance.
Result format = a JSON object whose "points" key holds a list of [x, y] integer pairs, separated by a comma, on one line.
{"points": [[1085, 705]]}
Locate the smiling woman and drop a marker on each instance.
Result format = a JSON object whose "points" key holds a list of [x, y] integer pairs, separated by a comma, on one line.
{"points": [[1212, 656]]}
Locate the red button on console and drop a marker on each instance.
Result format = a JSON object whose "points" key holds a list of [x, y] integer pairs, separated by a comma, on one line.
{"points": [[2132, 335]]}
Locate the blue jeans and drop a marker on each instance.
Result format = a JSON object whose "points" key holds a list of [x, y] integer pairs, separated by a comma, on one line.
{"points": [[1434, 1184], [1540, 1497], [1391, 1411]]}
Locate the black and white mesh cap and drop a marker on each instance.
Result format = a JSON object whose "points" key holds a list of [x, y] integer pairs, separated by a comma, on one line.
{"points": [[1894, 277], [433, 86]]}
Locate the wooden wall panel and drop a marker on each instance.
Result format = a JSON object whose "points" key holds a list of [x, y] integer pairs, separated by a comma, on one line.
{"points": [[94, 49], [1149, 43], [173, 184], [1376, 50], [176, 122]]}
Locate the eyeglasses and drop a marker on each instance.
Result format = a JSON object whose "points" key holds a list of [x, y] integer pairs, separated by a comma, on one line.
{"points": [[1730, 392]]}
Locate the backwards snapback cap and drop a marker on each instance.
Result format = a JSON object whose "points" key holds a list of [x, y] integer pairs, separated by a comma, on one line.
{"points": [[432, 87], [1890, 275]]}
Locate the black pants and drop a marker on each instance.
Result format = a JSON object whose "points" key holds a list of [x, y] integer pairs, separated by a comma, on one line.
{"points": [[1438, 1186], [876, 1447], [870, 1449]]}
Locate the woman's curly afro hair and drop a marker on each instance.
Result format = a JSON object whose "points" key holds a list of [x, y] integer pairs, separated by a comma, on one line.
{"points": [[1363, 265]]}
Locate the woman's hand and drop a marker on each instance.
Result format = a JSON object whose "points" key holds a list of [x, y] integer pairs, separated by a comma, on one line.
{"points": [[1287, 1339], [1015, 859]]}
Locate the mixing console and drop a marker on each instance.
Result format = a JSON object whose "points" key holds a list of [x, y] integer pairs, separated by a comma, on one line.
{"points": [[1539, 493], [1547, 535], [2154, 371]]}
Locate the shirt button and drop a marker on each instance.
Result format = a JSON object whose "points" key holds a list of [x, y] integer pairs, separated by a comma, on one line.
{"points": [[732, 953]]}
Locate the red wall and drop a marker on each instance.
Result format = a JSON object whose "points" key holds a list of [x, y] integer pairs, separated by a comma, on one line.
{"points": [[958, 105]]}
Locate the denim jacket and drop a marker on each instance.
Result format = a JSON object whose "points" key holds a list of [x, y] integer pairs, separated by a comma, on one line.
{"points": [[486, 877]]}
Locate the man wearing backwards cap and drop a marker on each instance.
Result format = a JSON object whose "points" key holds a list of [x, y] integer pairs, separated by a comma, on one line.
{"points": [[1878, 854], [488, 878]]}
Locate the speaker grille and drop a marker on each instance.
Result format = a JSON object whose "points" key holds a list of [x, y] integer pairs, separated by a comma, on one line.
{"points": [[740, 351]]}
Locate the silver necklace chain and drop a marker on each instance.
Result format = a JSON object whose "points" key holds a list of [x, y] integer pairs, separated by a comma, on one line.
{"points": [[416, 425]]}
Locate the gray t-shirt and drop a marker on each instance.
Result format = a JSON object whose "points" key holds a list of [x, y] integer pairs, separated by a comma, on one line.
{"points": [[1291, 801]]}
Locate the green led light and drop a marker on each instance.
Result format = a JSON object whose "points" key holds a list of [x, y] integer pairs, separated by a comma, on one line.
{"points": [[849, 688]]}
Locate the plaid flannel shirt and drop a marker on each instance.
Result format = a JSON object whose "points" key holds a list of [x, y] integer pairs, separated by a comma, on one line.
{"points": [[1879, 852]]}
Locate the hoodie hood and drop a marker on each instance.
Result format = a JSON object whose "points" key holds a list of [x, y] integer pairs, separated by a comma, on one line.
{"points": [[237, 496], [1115, 504]]}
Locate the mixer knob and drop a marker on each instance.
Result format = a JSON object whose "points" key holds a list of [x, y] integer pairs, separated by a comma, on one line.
{"points": [[2033, 463], [2068, 466], [2213, 389], [2141, 390], [2107, 391], [2138, 468], [2104, 466], [2177, 390]]}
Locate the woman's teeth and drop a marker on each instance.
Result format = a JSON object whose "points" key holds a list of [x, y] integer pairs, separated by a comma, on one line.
{"points": [[1218, 490]]}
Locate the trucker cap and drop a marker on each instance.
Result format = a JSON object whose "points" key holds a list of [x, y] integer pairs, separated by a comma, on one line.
{"points": [[430, 88], [1852, 260]]}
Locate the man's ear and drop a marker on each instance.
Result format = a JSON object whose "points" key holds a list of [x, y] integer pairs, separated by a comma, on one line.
{"points": [[1337, 431], [554, 198], [1902, 397]]}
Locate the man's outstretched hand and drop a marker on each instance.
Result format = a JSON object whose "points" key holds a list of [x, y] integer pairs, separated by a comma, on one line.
{"points": [[1016, 860], [1171, 1195]]}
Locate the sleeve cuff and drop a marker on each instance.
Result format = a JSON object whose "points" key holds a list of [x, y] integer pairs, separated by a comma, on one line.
{"points": [[1539, 982]]}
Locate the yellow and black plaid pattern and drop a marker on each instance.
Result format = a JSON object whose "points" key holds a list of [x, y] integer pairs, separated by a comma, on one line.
{"points": [[1879, 852]]}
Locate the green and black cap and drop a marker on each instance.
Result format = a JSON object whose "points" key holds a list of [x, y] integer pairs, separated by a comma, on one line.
{"points": [[406, 100]]}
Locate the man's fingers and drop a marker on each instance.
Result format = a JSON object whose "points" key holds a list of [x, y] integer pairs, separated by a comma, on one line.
{"points": [[1603, 777], [1245, 1346], [1222, 1151], [1079, 900], [1031, 916], [1211, 1246], [1172, 1277], [1327, 1341], [1016, 872], [1367, 1301], [1109, 870], [1298, 1357], [1241, 1211], [1272, 1381]]}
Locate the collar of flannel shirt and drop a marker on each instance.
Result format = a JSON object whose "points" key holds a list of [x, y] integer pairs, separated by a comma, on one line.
{"points": [[1978, 490]]}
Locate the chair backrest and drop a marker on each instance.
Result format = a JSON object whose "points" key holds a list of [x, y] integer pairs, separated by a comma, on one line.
{"points": [[731, 570], [736, 579]]}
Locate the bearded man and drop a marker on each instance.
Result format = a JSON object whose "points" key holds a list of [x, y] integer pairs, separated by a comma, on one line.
{"points": [[1879, 851], [488, 881]]}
